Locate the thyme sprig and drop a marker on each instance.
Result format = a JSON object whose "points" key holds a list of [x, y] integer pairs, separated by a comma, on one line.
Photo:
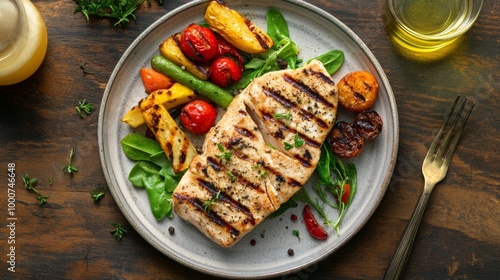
{"points": [[29, 184], [97, 194], [69, 167], [119, 232], [120, 10], [225, 154], [83, 106], [207, 204]]}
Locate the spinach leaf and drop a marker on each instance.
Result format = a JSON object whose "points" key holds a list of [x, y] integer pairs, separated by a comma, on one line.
{"points": [[332, 60], [137, 147], [159, 199], [140, 170]]}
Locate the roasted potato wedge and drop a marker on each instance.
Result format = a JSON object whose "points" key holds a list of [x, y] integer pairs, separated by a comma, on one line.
{"points": [[174, 142], [170, 50], [169, 98], [236, 29]]}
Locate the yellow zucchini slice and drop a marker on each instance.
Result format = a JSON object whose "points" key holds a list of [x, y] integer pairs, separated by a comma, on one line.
{"points": [[169, 98], [236, 29], [174, 142]]}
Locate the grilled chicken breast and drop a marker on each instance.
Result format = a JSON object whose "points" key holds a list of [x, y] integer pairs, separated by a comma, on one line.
{"points": [[262, 151]]}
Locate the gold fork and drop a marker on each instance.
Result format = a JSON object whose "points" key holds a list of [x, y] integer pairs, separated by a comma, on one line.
{"points": [[434, 169]]}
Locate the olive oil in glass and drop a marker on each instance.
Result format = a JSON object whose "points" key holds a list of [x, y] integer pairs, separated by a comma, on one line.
{"points": [[428, 25]]}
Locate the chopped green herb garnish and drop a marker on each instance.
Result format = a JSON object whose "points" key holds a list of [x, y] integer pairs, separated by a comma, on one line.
{"points": [[224, 155], [119, 232], [69, 167], [97, 194], [285, 116], [298, 141], [208, 203], [29, 184], [231, 176], [83, 106], [296, 233]]}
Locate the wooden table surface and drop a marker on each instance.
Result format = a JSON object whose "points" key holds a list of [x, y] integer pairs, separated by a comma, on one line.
{"points": [[69, 237]]}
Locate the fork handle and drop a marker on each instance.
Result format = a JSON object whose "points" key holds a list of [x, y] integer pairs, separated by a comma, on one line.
{"points": [[400, 258]]}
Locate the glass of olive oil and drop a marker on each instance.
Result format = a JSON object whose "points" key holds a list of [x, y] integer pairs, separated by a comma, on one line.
{"points": [[429, 25]]}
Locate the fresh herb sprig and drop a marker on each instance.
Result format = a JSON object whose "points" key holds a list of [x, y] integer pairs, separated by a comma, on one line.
{"points": [[207, 204], [29, 184], [297, 142], [342, 174], [225, 154], [119, 232], [69, 167], [120, 10], [97, 194], [83, 106]]}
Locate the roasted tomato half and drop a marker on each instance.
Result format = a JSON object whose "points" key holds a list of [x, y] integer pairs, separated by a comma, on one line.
{"points": [[198, 116], [199, 43], [225, 72]]}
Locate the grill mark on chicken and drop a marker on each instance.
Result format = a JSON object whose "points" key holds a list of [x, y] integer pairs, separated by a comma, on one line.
{"points": [[282, 127], [213, 163], [245, 132], [306, 89], [290, 104], [227, 199], [240, 179], [212, 216]]}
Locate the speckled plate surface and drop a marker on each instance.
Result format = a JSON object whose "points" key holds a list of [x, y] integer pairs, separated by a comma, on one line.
{"points": [[315, 32]]}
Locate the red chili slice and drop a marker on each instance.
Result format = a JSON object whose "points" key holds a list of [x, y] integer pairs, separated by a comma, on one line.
{"points": [[314, 228]]}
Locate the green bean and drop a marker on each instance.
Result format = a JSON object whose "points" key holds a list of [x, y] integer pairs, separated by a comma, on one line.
{"points": [[205, 88]]}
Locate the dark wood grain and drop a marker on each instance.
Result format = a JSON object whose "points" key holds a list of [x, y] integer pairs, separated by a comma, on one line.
{"points": [[69, 237]]}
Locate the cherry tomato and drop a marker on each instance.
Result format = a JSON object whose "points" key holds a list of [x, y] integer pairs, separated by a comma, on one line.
{"points": [[198, 116], [347, 193], [226, 49], [225, 72], [314, 228], [199, 43]]}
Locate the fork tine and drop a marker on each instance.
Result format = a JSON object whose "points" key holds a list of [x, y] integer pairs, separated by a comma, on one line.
{"points": [[445, 143], [437, 139], [454, 143]]}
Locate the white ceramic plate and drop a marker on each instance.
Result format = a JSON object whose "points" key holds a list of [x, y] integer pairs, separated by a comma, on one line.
{"points": [[315, 32]]}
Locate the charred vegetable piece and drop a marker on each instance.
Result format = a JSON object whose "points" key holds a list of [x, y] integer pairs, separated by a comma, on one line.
{"points": [[170, 49], [172, 139], [344, 141], [357, 91], [368, 124], [236, 29], [226, 49], [205, 88], [176, 95]]}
